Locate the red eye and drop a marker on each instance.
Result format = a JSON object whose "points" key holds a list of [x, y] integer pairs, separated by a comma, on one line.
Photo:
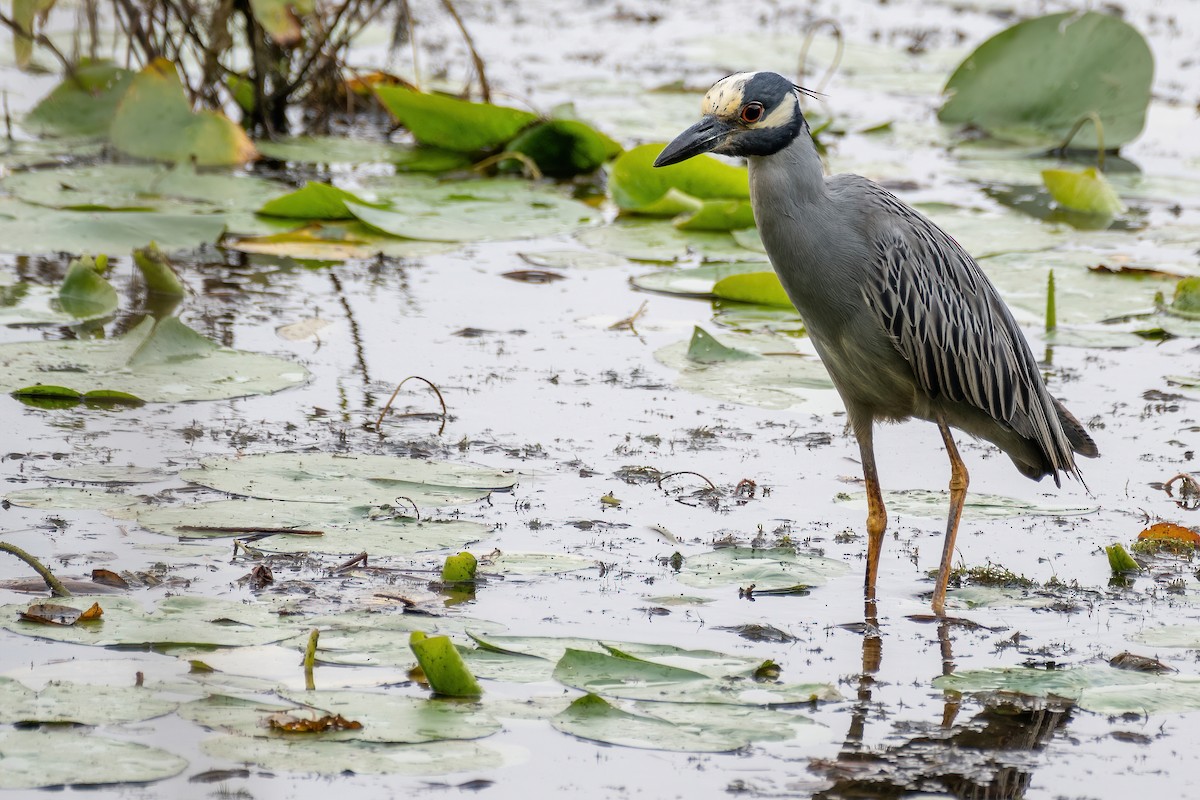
{"points": [[752, 112]]}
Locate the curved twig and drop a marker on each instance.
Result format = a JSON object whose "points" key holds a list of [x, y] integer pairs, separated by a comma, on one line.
{"points": [[1094, 118], [527, 163], [809, 35], [388, 405], [412, 503], [54, 584], [711, 485]]}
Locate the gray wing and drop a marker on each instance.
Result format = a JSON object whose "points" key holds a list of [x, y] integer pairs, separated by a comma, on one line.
{"points": [[950, 324]]}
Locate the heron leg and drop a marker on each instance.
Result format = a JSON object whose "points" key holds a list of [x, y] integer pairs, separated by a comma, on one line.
{"points": [[876, 513], [958, 495]]}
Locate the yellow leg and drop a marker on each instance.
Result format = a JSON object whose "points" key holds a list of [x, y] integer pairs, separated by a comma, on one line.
{"points": [[876, 513], [958, 495]]}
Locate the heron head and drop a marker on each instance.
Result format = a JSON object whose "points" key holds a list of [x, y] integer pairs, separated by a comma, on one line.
{"points": [[746, 114]]}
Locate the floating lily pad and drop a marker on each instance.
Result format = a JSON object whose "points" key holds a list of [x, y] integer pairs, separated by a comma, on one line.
{"points": [[154, 120], [507, 563], [385, 716], [83, 104], [781, 378], [638, 186], [107, 473], [1170, 636], [363, 758], [334, 241], [1105, 690], [679, 727], [453, 124], [479, 211], [773, 568], [48, 757], [1032, 82], [79, 704], [176, 621], [927, 503], [651, 240], [344, 528], [629, 679], [694, 281], [159, 363], [368, 480], [314, 200], [760, 288], [717, 215], [33, 230], [69, 498], [1086, 191]]}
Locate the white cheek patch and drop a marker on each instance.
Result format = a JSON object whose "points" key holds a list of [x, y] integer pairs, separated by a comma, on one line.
{"points": [[725, 98], [782, 116]]}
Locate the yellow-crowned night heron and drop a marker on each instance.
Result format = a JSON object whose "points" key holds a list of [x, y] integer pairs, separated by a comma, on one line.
{"points": [[905, 321]]}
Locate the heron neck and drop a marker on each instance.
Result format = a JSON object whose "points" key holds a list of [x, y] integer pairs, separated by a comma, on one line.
{"points": [[794, 174]]}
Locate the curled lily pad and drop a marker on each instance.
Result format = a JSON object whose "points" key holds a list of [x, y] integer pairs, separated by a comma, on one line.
{"points": [[447, 122], [639, 187], [760, 288], [1033, 81], [1086, 191], [84, 103], [562, 148]]}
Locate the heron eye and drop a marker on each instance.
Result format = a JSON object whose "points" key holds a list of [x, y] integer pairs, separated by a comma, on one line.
{"points": [[752, 112]]}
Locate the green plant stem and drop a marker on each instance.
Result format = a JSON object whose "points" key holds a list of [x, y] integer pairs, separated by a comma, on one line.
{"points": [[310, 658], [1094, 118], [55, 585], [1051, 304]]}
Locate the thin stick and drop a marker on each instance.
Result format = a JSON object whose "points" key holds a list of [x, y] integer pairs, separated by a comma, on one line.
{"points": [[711, 485], [809, 35], [251, 529], [387, 406], [358, 560], [54, 584], [484, 90]]}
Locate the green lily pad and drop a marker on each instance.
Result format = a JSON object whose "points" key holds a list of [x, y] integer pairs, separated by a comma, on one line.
{"points": [[1031, 82], [562, 148], [84, 293], [83, 104], [632, 679], [385, 717], [651, 240], [176, 621], [365, 480], [780, 378], [107, 473], [49, 757], [32, 230], [638, 186], [761, 288], [773, 568], [676, 727], [79, 704], [452, 124], [69, 498], [294, 755], [694, 281], [1170, 636], [705, 349], [717, 215], [154, 120], [345, 529], [159, 363], [1086, 191], [333, 241], [494, 210], [313, 201], [443, 666], [1105, 690]]}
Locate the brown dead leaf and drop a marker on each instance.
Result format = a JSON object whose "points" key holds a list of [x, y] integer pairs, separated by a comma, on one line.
{"points": [[1169, 530], [1136, 663], [57, 614], [289, 723], [109, 578], [1134, 272], [533, 276]]}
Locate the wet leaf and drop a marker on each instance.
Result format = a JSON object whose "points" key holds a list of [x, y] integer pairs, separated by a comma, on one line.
{"points": [[649, 240], [496, 210], [443, 666], [107, 473], [341, 150], [510, 563], [315, 200], [447, 122], [80, 704], [637, 186], [694, 281], [459, 568], [705, 349], [83, 104], [154, 120], [176, 621], [717, 215], [290, 756], [1119, 560], [762, 288], [28, 229], [49, 757], [1086, 191], [774, 568], [1031, 82], [281, 19], [562, 148], [1186, 299], [163, 362], [1170, 531], [58, 614], [288, 723], [66, 498], [160, 277], [335, 242]]}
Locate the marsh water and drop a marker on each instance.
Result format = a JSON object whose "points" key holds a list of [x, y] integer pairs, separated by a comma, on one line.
{"points": [[543, 379]]}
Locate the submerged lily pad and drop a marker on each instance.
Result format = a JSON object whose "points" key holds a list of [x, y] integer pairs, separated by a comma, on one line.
{"points": [[158, 362], [297, 755], [1105, 690], [69, 498], [1033, 81], [48, 757]]}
